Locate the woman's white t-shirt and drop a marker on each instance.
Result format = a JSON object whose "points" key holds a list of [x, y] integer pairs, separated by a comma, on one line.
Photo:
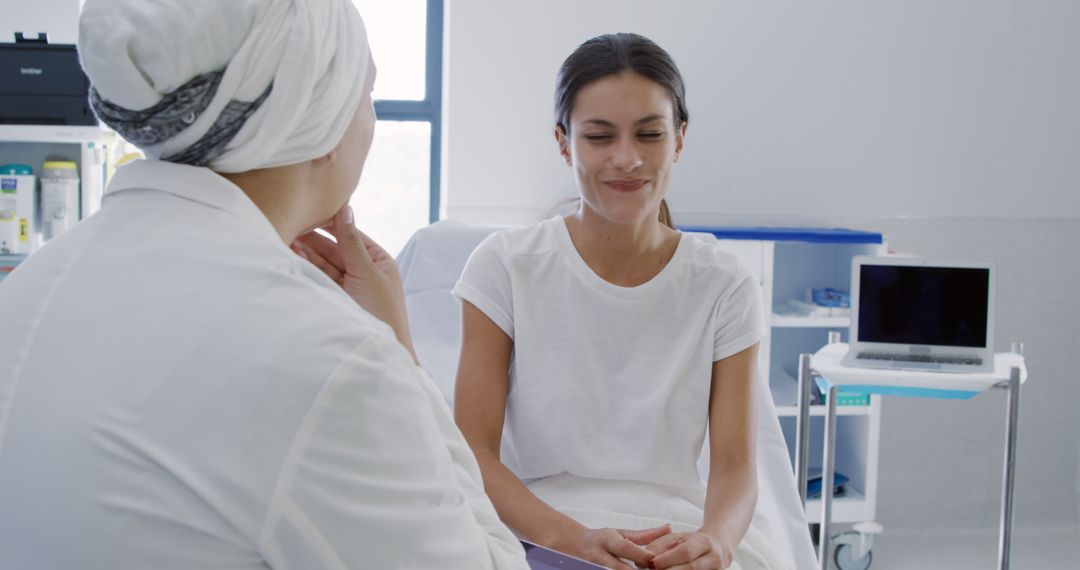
{"points": [[609, 382]]}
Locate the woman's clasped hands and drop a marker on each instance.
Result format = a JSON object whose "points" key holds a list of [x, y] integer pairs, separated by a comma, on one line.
{"points": [[691, 550], [658, 548], [609, 547]]}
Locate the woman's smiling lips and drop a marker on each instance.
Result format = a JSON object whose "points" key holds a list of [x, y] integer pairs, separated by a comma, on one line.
{"points": [[623, 185]]}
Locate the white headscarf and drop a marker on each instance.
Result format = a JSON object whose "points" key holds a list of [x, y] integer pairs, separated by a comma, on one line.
{"points": [[312, 55]]}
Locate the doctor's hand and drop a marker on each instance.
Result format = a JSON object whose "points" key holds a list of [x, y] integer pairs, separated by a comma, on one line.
{"points": [[697, 550], [362, 268], [609, 547]]}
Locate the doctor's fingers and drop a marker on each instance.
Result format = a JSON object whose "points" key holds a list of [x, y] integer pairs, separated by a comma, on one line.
{"points": [[376, 251], [350, 243], [332, 271], [324, 246]]}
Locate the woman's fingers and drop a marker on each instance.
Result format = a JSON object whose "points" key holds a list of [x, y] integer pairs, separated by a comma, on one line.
{"points": [[694, 547], [704, 563], [710, 561], [622, 547], [609, 561], [666, 542], [646, 536]]}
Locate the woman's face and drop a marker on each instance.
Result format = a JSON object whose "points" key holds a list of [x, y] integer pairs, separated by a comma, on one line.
{"points": [[621, 146]]}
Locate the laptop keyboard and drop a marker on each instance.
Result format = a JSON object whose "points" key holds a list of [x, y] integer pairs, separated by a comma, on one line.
{"points": [[935, 359]]}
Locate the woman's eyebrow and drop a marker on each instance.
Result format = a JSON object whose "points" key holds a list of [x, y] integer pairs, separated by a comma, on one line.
{"points": [[649, 119], [609, 124]]}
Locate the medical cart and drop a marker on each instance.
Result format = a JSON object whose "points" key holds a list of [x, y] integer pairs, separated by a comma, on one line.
{"points": [[833, 378]]}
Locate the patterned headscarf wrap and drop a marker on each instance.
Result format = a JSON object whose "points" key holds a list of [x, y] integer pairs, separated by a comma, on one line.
{"points": [[234, 85]]}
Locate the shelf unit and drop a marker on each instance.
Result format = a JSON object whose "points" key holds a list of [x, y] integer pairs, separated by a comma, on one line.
{"points": [[8, 262], [787, 262], [33, 145], [88, 147], [788, 321]]}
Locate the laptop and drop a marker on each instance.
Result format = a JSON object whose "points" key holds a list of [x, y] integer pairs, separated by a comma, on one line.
{"points": [[921, 314], [541, 558]]}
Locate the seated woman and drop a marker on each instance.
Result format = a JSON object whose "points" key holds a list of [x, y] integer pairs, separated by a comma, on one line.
{"points": [[598, 347]]}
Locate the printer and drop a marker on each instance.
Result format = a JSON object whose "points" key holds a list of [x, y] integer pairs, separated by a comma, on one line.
{"points": [[43, 84]]}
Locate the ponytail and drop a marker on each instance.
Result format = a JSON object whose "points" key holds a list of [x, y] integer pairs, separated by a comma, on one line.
{"points": [[665, 215]]}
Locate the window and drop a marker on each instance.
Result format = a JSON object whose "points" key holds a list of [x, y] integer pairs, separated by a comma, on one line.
{"points": [[399, 188]]}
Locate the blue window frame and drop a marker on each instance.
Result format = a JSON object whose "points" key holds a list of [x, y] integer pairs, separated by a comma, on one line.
{"points": [[429, 109]]}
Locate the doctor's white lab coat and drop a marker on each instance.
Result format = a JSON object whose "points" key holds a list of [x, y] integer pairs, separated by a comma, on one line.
{"points": [[179, 390]]}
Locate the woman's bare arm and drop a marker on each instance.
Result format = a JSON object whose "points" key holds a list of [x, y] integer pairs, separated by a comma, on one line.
{"points": [[732, 485]]}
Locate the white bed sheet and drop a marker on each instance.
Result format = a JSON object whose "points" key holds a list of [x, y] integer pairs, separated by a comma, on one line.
{"points": [[431, 264]]}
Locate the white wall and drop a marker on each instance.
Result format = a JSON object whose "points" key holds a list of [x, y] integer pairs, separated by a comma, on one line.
{"points": [[923, 108], [950, 125], [58, 18]]}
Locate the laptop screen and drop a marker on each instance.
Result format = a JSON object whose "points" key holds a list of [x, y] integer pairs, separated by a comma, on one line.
{"points": [[904, 304]]}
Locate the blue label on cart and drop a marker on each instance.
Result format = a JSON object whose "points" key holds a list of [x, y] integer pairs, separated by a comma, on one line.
{"points": [[9, 184]]}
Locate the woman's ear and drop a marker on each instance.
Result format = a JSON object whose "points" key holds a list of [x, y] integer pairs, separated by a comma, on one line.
{"points": [[564, 149], [326, 158], [679, 136]]}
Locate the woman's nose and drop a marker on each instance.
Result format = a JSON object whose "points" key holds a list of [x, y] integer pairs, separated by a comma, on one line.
{"points": [[625, 155]]}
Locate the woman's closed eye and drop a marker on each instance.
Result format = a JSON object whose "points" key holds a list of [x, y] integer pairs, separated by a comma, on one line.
{"points": [[605, 137]]}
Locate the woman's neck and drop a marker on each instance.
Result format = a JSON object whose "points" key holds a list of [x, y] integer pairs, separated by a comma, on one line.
{"points": [[623, 254]]}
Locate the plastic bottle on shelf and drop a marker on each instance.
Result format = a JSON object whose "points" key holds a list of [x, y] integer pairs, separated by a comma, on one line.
{"points": [[59, 197], [18, 234]]}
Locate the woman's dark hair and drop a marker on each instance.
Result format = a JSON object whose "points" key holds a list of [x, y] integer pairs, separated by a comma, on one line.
{"points": [[612, 54]]}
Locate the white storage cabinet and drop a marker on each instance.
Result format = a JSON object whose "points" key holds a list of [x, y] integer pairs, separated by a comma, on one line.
{"points": [[787, 262]]}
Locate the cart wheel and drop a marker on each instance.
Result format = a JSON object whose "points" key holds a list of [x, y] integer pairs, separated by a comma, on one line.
{"points": [[843, 554]]}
